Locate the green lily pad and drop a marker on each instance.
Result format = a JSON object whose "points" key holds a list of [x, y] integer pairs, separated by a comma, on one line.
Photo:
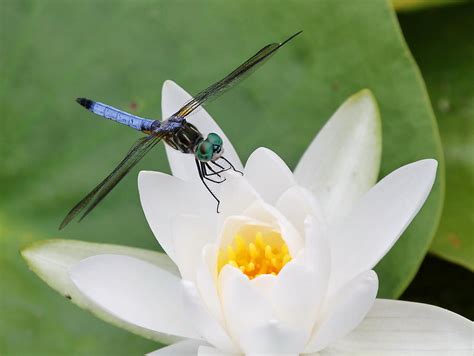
{"points": [[442, 46], [120, 52]]}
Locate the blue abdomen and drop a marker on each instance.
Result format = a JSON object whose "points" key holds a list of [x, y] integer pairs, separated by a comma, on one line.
{"points": [[114, 114]]}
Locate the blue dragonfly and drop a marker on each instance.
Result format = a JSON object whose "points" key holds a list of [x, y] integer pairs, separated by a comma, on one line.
{"points": [[175, 131]]}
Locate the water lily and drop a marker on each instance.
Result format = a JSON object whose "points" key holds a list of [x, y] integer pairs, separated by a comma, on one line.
{"points": [[284, 268]]}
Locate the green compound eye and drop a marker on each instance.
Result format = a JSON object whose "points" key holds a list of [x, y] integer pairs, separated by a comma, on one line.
{"points": [[214, 139], [204, 151]]}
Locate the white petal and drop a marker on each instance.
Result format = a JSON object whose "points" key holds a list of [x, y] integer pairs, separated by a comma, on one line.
{"points": [[244, 307], [211, 351], [52, 259], [268, 174], [317, 248], [343, 160], [344, 311], [135, 291], [182, 348], [297, 296], [264, 284], [190, 234], [163, 197], [296, 204], [203, 321], [301, 288], [404, 328], [273, 338], [206, 281], [183, 165], [378, 219], [236, 194]]}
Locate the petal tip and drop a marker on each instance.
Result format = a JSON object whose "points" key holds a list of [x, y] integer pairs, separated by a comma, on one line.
{"points": [[374, 278], [263, 154], [27, 253], [364, 94], [263, 149], [367, 98], [31, 251], [431, 162], [260, 151], [429, 166], [168, 83], [143, 176]]}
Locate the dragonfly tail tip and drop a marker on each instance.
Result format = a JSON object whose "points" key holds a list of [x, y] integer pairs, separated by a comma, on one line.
{"points": [[87, 103]]}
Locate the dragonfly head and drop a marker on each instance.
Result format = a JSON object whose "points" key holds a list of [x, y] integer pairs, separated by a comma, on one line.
{"points": [[209, 149]]}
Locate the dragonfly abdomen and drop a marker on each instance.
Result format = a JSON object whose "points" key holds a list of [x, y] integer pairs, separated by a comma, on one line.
{"points": [[114, 114]]}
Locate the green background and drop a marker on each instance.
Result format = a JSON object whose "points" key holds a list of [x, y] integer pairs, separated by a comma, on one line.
{"points": [[120, 52]]}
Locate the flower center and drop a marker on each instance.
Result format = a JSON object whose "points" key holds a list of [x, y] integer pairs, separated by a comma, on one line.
{"points": [[255, 252]]}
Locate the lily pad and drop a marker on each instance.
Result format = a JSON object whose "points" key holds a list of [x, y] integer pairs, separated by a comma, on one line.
{"points": [[120, 52], [443, 48]]}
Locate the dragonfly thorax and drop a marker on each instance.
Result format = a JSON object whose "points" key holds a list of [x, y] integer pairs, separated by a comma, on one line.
{"points": [[184, 138]]}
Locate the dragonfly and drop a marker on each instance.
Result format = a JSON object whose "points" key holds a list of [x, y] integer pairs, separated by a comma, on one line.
{"points": [[175, 131]]}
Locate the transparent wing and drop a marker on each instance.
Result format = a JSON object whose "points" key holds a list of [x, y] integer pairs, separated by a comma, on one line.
{"points": [[90, 201], [233, 78]]}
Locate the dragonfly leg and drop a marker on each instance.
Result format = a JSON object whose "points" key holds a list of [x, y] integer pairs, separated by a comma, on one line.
{"points": [[206, 175], [218, 165], [231, 165], [214, 173], [201, 175], [222, 168], [218, 173]]}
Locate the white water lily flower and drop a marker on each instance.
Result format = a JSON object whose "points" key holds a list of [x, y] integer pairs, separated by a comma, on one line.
{"points": [[285, 268]]}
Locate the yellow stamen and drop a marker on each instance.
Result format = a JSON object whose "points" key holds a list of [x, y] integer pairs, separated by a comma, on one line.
{"points": [[230, 253], [268, 252], [255, 252]]}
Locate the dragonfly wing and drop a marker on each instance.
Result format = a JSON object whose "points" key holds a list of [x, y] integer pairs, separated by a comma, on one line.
{"points": [[90, 201], [241, 72]]}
